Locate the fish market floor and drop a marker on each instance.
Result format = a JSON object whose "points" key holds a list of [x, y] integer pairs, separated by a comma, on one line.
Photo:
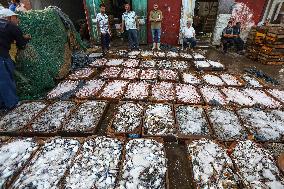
{"points": [[175, 120]]}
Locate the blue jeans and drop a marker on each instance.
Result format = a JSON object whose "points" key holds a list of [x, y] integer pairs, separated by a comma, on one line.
{"points": [[156, 35], [191, 41], [133, 38], [8, 96]]}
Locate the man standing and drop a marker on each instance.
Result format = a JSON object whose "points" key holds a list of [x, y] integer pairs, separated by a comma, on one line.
{"points": [[156, 17], [103, 28], [130, 22], [237, 39], [188, 33], [9, 32], [228, 37]]}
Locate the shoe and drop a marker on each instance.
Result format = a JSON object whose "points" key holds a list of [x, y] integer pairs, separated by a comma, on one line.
{"points": [[158, 46], [154, 46], [241, 53]]}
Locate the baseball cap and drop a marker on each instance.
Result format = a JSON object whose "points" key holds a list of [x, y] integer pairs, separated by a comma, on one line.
{"points": [[6, 13]]}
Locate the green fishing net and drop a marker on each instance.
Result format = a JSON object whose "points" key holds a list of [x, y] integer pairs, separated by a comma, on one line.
{"points": [[40, 63]]}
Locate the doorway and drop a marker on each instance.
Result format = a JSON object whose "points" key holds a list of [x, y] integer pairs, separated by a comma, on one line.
{"points": [[205, 15], [171, 20]]}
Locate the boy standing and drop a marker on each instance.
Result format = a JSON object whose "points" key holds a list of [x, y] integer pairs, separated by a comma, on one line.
{"points": [[103, 28]]}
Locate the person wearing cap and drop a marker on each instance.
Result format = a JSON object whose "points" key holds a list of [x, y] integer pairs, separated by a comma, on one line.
{"points": [[9, 32], [188, 34], [156, 17]]}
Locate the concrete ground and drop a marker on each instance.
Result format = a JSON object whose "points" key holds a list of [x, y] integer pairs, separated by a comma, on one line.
{"points": [[237, 63], [180, 174]]}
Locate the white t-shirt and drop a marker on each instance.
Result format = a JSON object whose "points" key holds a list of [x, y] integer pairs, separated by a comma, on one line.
{"points": [[102, 20], [188, 32], [21, 8], [129, 19]]}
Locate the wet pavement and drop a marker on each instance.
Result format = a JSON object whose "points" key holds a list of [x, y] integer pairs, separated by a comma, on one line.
{"points": [[179, 167], [237, 63]]}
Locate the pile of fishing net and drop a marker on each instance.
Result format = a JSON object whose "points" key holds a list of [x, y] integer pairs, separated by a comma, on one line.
{"points": [[48, 55]]}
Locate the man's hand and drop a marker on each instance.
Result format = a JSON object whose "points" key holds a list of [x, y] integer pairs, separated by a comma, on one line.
{"points": [[228, 35], [27, 36]]}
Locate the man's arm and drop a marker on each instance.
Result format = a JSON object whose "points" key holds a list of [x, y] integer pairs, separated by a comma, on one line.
{"points": [[21, 40], [161, 16], [137, 22], [98, 25], [109, 28], [98, 28], [183, 32], [151, 17], [226, 35], [122, 25], [236, 32]]}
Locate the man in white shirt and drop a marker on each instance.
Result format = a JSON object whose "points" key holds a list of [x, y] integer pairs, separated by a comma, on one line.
{"points": [[188, 34], [103, 28], [130, 22]]}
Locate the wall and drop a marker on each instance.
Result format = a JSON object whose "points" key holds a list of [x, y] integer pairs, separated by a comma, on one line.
{"points": [[4, 3], [73, 8], [224, 14], [270, 9], [257, 8]]}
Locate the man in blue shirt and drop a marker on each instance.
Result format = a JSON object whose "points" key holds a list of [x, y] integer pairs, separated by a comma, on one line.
{"points": [[228, 37], [9, 32], [237, 39]]}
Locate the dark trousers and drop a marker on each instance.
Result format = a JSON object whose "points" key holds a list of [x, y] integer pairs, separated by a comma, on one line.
{"points": [[105, 40], [239, 44], [191, 41], [8, 96], [133, 38], [227, 42]]}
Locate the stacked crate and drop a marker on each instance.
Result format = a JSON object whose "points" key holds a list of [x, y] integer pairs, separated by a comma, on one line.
{"points": [[272, 52], [255, 41], [266, 44]]}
